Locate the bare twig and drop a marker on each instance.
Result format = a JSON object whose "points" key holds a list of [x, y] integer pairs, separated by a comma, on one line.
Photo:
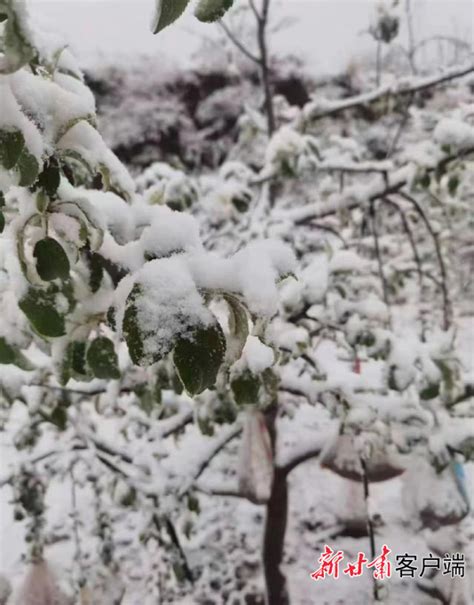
{"points": [[262, 23], [411, 37], [255, 10], [439, 255], [238, 44], [375, 233], [411, 239]]}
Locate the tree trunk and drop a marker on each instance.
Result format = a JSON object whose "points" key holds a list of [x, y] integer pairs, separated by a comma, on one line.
{"points": [[274, 540], [275, 525]]}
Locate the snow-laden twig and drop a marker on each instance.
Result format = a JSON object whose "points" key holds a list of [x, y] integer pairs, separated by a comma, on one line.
{"points": [[216, 489], [302, 453], [323, 108], [358, 195], [32, 460], [218, 444]]}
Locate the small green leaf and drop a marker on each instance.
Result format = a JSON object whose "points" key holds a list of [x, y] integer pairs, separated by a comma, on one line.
{"points": [[50, 178], [28, 167], [102, 358], [2, 221], [199, 357], [11, 355], [51, 260], [193, 504], [167, 11], [42, 202], [7, 352], [136, 334], [238, 326], [111, 318], [209, 11], [131, 328], [58, 417], [11, 146], [16, 46], [453, 184], [430, 392], [73, 364], [78, 358], [39, 307], [96, 271], [246, 388]]}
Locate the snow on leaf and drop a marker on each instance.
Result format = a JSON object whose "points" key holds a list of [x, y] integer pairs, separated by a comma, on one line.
{"points": [[51, 260], [198, 358], [102, 358], [40, 308]]}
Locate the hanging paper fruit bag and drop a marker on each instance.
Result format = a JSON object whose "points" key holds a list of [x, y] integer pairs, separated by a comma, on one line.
{"points": [[255, 459], [40, 587], [341, 457], [436, 497]]}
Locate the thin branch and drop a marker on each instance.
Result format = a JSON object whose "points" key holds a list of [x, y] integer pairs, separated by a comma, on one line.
{"points": [[225, 491], [265, 69], [258, 16], [354, 197], [39, 458], [378, 254], [304, 454], [401, 126], [238, 44], [411, 239], [330, 108], [331, 230], [411, 37], [216, 446], [439, 255]]}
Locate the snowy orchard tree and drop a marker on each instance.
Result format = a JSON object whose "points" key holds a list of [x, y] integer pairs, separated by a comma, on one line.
{"points": [[112, 306], [398, 396], [98, 286]]}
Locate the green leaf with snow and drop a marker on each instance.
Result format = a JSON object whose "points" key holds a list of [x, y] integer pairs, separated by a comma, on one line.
{"points": [[2, 221], [198, 358], [73, 364], [238, 327], [143, 347], [430, 392], [12, 143], [209, 11], [50, 177], [246, 388], [167, 12], [28, 168], [11, 355], [96, 271], [78, 358], [58, 416], [40, 308], [51, 260], [453, 184], [17, 50], [102, 359]]}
